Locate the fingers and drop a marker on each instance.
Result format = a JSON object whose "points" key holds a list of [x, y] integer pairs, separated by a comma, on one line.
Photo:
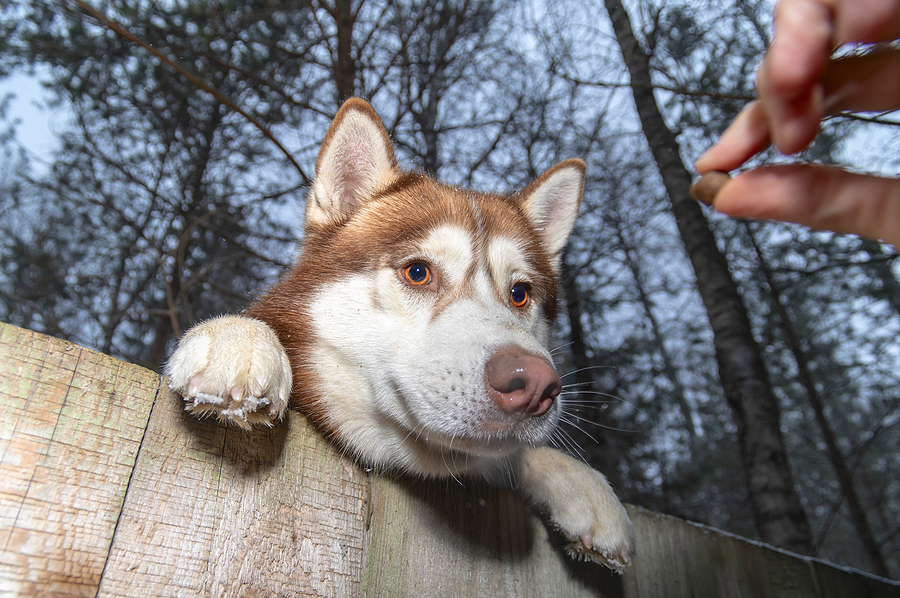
{"points": [[787, 80], [790, 81], [745, 137], [819, 197], [866, 21], [866, 83], [798, 85]]}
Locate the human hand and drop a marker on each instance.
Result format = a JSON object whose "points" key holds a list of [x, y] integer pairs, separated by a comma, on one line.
{"points": [[798, 85]]}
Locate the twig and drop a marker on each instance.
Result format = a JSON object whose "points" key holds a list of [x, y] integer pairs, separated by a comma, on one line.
{"points": [[184, 72], [677, 90]]}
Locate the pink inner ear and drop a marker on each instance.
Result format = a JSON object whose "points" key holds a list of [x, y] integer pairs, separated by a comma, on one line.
{"points": [[553, 206], [357, 169], [356, 158], [349, 202]]}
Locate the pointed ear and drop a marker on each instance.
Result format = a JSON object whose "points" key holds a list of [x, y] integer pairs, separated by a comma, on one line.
{"points": [[551, 203], [356, 160]]}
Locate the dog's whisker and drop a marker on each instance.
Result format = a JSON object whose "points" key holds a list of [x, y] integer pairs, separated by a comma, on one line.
{"points": [[585, 369], [568, 441], [452, 460], [574, 448], [574, 422], [557, 440], [560, 444], [575, 384], [577, 391], [589, 402], [559, 348], [603, 426]]}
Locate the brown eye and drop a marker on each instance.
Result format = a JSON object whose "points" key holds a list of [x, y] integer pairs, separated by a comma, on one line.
{"points": [[417, 274], [518, 295]]}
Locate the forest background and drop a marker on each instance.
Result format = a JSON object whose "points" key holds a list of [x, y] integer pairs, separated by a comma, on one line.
{"points": [[738, 374]]}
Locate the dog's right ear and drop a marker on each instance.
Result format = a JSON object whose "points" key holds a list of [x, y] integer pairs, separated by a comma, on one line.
{"points": [[551, 204], [356, 160]]}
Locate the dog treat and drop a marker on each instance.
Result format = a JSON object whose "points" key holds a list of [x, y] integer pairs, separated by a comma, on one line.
{"points": [[708, 186]]}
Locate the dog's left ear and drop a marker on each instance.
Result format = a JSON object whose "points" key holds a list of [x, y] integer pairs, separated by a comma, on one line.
{"points": [[356, 160], [551, 203]]}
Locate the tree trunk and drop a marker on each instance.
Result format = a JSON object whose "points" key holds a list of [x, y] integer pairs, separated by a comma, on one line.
{"points": [[779, 516], [841, 469], [344, 64]]}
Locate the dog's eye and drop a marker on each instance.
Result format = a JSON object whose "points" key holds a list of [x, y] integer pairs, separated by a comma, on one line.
{"points": [[417, 274], [518, 295]]}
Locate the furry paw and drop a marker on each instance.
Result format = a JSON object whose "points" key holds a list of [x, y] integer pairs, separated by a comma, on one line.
{"points": [[234, 368], [581, 504], [596, 532]]}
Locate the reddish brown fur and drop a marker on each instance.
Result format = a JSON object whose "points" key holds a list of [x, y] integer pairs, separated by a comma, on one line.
{"points": [[405, 212]]}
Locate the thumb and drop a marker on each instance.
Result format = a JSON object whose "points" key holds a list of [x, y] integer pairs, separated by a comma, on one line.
{"points": [[819, 197]]}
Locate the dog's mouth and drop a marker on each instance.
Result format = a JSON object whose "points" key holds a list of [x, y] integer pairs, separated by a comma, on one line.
{"points": [[516, 428], [492, 435], [494, 445]]}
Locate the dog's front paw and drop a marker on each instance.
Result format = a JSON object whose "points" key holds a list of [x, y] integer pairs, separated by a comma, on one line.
{"points": [[234, 368], [581, 504], [598, 529]]}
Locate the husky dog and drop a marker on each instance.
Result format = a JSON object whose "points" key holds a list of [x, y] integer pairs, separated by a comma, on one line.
{"points": [[412, 330]]}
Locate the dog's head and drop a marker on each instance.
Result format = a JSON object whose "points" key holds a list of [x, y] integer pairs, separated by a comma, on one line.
{"points": [[432, 304]]}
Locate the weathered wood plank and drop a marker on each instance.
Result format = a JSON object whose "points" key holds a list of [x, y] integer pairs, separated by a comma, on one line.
{"points": [[440, 538], [678, 559], [102, 495], [161, 547], [72, 422], [296, 516], [215, 511]]}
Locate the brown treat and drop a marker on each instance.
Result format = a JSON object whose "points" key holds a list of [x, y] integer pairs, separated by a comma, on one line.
{"points": [[708, 186]]}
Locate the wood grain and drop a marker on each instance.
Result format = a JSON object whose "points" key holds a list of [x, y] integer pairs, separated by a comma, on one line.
{"points": [[215, 511], [72, 423], [107, 488], [468, 540]]}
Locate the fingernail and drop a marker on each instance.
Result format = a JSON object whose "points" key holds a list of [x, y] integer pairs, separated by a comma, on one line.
{"points": [[698, 163]]}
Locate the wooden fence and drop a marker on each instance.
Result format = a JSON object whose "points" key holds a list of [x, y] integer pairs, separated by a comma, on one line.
{"points": [[107, 488]]}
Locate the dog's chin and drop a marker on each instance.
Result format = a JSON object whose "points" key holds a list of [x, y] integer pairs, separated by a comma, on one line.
{"points": [[494, 448], [489, 439]]}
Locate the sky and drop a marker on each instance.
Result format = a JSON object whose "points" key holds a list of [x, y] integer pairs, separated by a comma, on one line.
{"points": [[37, 125]]}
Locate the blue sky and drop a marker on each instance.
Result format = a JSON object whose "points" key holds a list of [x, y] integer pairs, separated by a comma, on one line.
{"points": [[37, 125]]}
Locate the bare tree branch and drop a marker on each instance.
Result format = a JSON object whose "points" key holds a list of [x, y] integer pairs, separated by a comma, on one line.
{"points": [[194, 79]]}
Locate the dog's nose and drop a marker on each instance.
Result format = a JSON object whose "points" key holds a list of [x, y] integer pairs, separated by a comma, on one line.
{"points": [[519, 381]]}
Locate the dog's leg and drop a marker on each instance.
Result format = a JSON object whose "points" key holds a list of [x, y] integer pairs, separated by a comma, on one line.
{"points": [[581, 504], [232, 367]]}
